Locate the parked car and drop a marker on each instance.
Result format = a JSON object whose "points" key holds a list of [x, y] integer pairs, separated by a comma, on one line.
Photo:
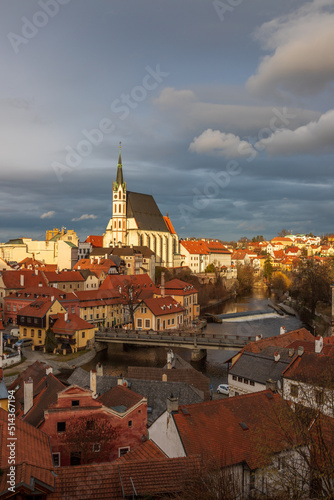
{"points": [[15, 332], [223, 389], [22, 343]]}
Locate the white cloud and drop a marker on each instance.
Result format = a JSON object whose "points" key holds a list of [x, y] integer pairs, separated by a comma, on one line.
{"points": [[84, 217], [228, 145], [48, 215], [302, 44], [317, 137], [185, 110]]}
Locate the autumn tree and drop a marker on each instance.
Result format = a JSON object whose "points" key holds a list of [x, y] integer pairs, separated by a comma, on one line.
{"points": [[245, 275], [280, 283], [91, 438], [311, 283], [50, 340]]}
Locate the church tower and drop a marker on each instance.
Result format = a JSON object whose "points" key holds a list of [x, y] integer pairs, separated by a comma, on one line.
{"points": [[116, 229]]}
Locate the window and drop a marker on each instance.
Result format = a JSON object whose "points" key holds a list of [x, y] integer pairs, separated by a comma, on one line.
{"points": [[130, 423], [24, 332], [75, 458], [251, 382], [32, 332], [147, 323], [246, 381], [14, 308], [56, 459], [123, 451], [39, 333], [90, 425], [252, 481], [61, 426], [239, 379], [294, 390], [8, 307], [139, 323], [75, 402], [83, 335], [234, 377], [168, 322], [72, 309], [96, 447]]}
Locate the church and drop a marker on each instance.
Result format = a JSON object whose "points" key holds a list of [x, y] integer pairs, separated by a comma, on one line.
{"points": [[136, 220]]}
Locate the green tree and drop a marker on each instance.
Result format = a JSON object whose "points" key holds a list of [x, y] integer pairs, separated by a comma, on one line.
{"points": [[268, 268], [210, 268], [50, 340]]}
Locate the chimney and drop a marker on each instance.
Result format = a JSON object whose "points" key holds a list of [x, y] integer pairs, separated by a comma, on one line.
{"points": [[277, 356], [22, 279], [92, 381], [291, 352], [282, 330], [66, 317], [271, 384], [79, 267], [162, 286], [52, 298], [258, 337], [48, 370], [172, 404], [36, 272], [99, 369], [164, 377], [28, 395], [91, 260], [319, 343], [300, 350], [98, 259]]}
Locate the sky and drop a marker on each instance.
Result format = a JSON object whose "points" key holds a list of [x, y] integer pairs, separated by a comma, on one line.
{"points": [[224, 110]]}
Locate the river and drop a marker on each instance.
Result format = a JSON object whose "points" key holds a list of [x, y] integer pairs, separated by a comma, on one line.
{"points": [[115, 360]]}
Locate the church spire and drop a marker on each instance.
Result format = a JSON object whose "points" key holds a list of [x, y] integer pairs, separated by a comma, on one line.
{"points": [[119, 177]]}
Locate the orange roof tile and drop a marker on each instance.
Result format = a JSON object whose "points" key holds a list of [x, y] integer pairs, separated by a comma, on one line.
{"points": [[96, 241], [65, 276]]}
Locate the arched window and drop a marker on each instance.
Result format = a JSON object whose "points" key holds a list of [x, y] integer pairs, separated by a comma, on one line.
{"points": [[120, 208], [120, 224], [115, 208]]}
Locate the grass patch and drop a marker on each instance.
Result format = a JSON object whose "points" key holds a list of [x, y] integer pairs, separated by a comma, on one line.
{"points": [[68, 357]]}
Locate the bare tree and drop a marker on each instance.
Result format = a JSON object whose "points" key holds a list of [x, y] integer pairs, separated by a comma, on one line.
{"points": [[92, 438]]}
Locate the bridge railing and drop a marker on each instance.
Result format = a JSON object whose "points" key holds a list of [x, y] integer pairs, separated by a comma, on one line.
{"points": [[185, 336]]}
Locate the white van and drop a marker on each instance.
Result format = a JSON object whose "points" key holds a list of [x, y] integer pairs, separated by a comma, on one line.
{"points": [[15, 332]]}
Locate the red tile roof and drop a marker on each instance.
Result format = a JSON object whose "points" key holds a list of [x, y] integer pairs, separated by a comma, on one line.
{"points": [[179, 287], [311, 368], [38, 308], [204, 247], [226, 429], [279, 340], [120, 395], [163, 305], [33, 459], [73, 324], [65, 276], [141, 281], [169, 224], [12, 279], [146, 451], [96, 241], [150, 478]]}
